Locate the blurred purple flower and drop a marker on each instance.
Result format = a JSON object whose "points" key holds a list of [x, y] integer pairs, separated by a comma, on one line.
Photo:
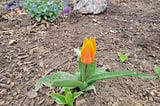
{"points": [[11, 5], [66, 10]]}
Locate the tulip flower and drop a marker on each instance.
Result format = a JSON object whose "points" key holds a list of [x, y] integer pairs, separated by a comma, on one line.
{"points": [[88, 50]]}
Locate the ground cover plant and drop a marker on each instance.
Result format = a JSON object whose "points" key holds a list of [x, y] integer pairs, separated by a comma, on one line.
{"points": [[43, 9]]}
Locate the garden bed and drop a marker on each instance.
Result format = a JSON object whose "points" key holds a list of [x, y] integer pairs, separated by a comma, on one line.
{"points": [[28, 52]]}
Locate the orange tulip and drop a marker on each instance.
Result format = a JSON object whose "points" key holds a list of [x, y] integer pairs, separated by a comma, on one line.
{"points": [[88, 50]]}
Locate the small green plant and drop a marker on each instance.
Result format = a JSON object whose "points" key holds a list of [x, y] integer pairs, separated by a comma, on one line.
{"points": [[157, 70], [122, 57], [43, 9], [66, 99], [87, 72]]}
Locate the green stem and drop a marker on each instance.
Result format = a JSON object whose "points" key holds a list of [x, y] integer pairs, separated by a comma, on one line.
{"points": [[85, 73]]}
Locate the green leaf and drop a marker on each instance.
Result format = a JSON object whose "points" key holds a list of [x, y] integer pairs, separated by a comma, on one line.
{"points": [[81, 67], [63, 89], [84, 86], [76, 94], [144, 75], [77, 75], [107, 75], [91, 69], [49, 80], [45, 17], [67, 83], [60, 99], [122, 57], [157, 70], [100, 70], [69, 96], [91, 87], [38, 18]]}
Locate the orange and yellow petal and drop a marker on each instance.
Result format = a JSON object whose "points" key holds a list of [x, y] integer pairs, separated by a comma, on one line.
{"points": [[88, 50]]}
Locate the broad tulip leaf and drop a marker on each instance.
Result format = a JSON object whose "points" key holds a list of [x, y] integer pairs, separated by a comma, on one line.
{"points": [[49, 80], [91, 69], [107, 75], [144, 75], [60, 99], [100, 70], [77, 75], [81, 69], [91, 87], [67, 83]]}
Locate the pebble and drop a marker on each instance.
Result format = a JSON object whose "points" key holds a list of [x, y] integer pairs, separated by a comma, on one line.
{"points": [[150, 98], [109, 103], [11, 42], [153, 92], [32, 94], [158, 93], [80, 102], [41, 63], [113, 31], [115, 104]]}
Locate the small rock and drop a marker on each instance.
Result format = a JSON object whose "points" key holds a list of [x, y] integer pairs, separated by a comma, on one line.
{"points": [[153, 92], [11, 42], [90, 6], [109, 103], [12, 84], [115, 104], [150, 98], [113, 31], [101, 63], [15, 93], [152, 82], [94, 20], [158, 93], [32, 94], [121, 99], [111, 99], [80, 102], [41, 63], [25, 69]]}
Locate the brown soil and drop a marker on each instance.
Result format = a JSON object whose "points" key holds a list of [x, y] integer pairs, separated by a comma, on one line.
{"points": [[128, 26]]}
